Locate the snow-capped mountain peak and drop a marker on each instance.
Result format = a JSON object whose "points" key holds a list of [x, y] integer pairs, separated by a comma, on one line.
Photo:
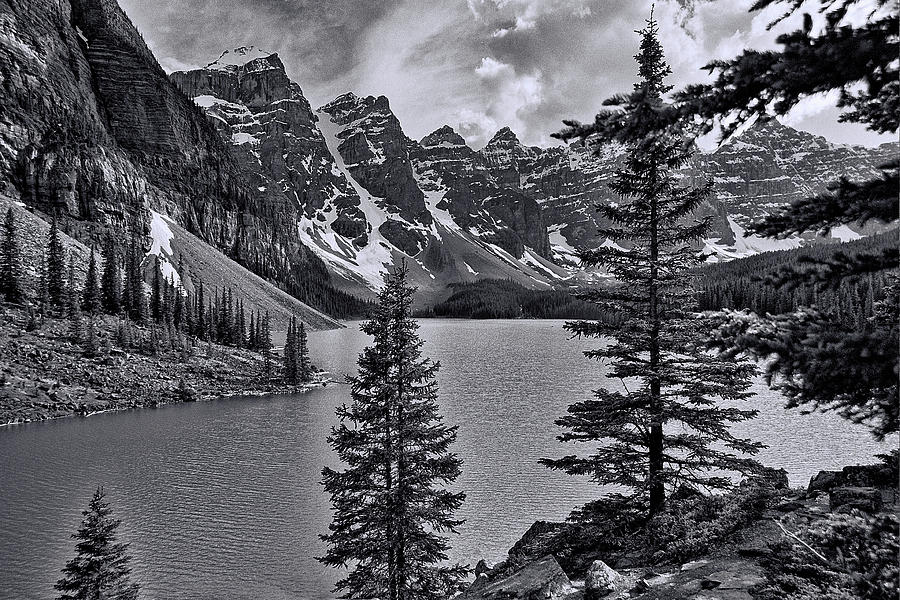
{"points": [[445, 136], [231, 60]]}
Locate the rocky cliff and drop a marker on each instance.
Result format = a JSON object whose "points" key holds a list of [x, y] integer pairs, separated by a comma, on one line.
{"points": [[764, 168], [93, 131], [478, 201], [363, 192]]}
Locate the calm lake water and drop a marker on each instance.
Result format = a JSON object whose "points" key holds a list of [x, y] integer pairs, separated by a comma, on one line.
{"points": [[222, 500]]}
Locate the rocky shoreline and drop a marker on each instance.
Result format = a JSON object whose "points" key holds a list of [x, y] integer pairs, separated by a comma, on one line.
{"points": [[45, 375], [550, 562]]}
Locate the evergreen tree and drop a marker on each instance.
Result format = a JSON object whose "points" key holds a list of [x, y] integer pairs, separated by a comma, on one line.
{"points": [[92, 300], [251, 338], [136, 302], [157, 290], [91, 344], [663, 429], [391, 507], [304, 367], [168, 304], [200, 322], [241, 326], [111, 282], [72, 305], [265, 345], [10, 262], [43, 294], [56, 267], [123, 334], [100, 569], [819, 357], [290, 358]]}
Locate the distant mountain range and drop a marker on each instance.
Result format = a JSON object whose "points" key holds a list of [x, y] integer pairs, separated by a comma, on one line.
{"points": [[320, 201], [371, 195]]}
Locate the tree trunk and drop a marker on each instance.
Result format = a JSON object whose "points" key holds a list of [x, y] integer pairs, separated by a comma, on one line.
{"points": [[655, 443]]}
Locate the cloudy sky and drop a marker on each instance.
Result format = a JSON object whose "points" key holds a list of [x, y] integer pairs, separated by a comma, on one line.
{"points": [[477, 65]]}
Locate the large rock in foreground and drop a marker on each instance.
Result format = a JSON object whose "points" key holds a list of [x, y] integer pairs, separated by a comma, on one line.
{"points": [[600, 580], [541, 580]]}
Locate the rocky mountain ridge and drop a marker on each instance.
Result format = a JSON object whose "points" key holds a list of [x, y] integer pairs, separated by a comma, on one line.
{"points": [[367, 195], [525, 211], [95, 132]]}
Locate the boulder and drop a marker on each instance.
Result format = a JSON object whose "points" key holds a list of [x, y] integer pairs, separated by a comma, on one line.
{"points": [[600, 580], [543, 579], [882, 475], [481, 567], [824, 481], [844, 499]]}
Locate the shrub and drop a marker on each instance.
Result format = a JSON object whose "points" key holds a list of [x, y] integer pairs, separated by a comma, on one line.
{"points": [[855, 558], [695, 524]]}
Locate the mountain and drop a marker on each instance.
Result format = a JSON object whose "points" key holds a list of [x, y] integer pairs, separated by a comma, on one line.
{"points": [[366, 195], [94, 131], [767, 166], [318, 202]]}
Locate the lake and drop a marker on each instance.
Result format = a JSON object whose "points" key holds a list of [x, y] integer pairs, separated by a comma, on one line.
{"points": [[221, 500]]}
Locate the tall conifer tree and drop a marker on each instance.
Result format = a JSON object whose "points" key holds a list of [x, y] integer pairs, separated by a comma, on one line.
{"points": [[10, 262], [391, 506], [100, 569], [290, 358], [304, 367], [157, 291], [265, 345], [111, 280], [201, 312], [663, 428], [43, 296], [73, 306], [56, 267], [91, 300]]}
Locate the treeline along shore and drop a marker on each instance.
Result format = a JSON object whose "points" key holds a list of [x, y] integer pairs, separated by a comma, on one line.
{"points": [[78, 339]]}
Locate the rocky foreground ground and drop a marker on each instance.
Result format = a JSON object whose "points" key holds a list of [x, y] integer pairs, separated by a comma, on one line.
{"points": [[44, 373], [542, 566]]}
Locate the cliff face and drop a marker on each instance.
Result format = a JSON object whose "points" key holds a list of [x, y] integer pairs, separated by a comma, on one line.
{"points": [[355, 181], [376, 152], [771, 164], [272, 133], [93, 130], [478, 201], [764, 168]]}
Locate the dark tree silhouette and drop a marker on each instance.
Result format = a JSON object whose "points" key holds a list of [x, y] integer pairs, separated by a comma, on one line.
{"points": [[814, 356], [10, 262], [100, 568], [664, 428], [390, 503], [111, 284], [56, 267], [91, 300]]}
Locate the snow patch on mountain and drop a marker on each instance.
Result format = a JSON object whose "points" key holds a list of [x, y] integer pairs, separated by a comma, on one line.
{"points": [[373, 259], [563, 251], [747, 244], [844, 233], [161, 246], [230, 60]]}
